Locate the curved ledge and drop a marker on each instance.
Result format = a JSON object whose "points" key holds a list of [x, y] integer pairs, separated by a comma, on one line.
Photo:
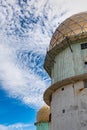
{"points": [[59, 84], [36, 123]]}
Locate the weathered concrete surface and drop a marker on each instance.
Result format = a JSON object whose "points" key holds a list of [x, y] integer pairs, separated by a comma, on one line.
{"points": [[69, 108], [68, 64]]}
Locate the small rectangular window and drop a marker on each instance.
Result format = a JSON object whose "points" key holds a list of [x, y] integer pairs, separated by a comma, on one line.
{"points": [[50, 117], [85, 62], [63, 111], [85, 84], [50, 98], [62, 89], [84, 46]]}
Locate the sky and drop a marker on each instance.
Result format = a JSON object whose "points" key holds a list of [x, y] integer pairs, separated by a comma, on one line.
{"points": [[26, 28]]}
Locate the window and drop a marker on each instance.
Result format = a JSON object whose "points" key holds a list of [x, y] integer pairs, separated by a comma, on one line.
{"points": [[50, 98], [84, 46], [63, 111], [62, 89], [85, 84], [85, 62], [50, 117]]}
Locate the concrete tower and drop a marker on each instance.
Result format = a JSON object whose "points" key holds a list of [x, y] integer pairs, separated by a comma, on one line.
{"points": [[66, 63], [43, 118]]}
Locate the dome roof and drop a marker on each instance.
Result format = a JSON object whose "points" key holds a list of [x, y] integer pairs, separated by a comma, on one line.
{"points": [[73, 29], [74, 25], [43, 114]]}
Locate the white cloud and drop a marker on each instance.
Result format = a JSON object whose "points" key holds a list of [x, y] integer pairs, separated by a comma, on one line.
{"points": [[19, 126], [68, 6], [2, 127], [20, 83]]}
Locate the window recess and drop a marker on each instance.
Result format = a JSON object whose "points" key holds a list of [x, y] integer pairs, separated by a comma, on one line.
{"points": [[84, 46], [85, 84], [50, 117]]}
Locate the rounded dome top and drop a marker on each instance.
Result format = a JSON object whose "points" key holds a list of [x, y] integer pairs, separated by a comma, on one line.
{"points": [[43, 114], [72, 26]]}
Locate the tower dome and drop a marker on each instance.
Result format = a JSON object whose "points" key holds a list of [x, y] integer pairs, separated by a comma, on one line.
{"points": [[72, 26], [43, 114], [72, 29]]}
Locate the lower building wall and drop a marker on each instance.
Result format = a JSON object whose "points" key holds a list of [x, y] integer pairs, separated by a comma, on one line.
{"points": [[69, 108], [43, 126]]}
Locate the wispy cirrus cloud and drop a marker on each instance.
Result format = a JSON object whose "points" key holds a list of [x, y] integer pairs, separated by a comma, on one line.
{"points": [[21, 69], [19, 78]]}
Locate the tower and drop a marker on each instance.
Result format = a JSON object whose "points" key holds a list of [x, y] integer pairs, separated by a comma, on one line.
{"points": [[43, 118], [66, 64]]}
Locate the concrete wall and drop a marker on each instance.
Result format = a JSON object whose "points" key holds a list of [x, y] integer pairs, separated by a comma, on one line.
{"points": [[42, 126], [69, 108], [68, 64]]}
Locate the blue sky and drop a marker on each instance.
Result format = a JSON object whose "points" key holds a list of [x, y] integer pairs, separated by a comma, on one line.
{"points": [[26, 27]]}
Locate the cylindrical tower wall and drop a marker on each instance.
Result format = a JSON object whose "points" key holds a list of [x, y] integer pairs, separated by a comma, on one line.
{"points": [[69, 107], [68, 64]]}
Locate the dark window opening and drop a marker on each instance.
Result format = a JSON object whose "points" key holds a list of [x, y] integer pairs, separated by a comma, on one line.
{"points": [[85, 62], [50, 117], [62, 89], [63, 111], [50, 98], [84, 46], [85, 84], [73, 85]]}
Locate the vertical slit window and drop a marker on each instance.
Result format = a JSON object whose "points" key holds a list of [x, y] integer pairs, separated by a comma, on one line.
{"points": [[63, 111], [50, 98], [50, 117], [85, 84]]}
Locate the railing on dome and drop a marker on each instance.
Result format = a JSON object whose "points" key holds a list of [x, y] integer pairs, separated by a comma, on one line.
{"points": [[71, 30], [70, 27]]}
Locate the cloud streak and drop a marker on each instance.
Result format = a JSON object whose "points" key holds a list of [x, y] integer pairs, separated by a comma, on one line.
{"points": [[18, 126], [18, 79]]}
